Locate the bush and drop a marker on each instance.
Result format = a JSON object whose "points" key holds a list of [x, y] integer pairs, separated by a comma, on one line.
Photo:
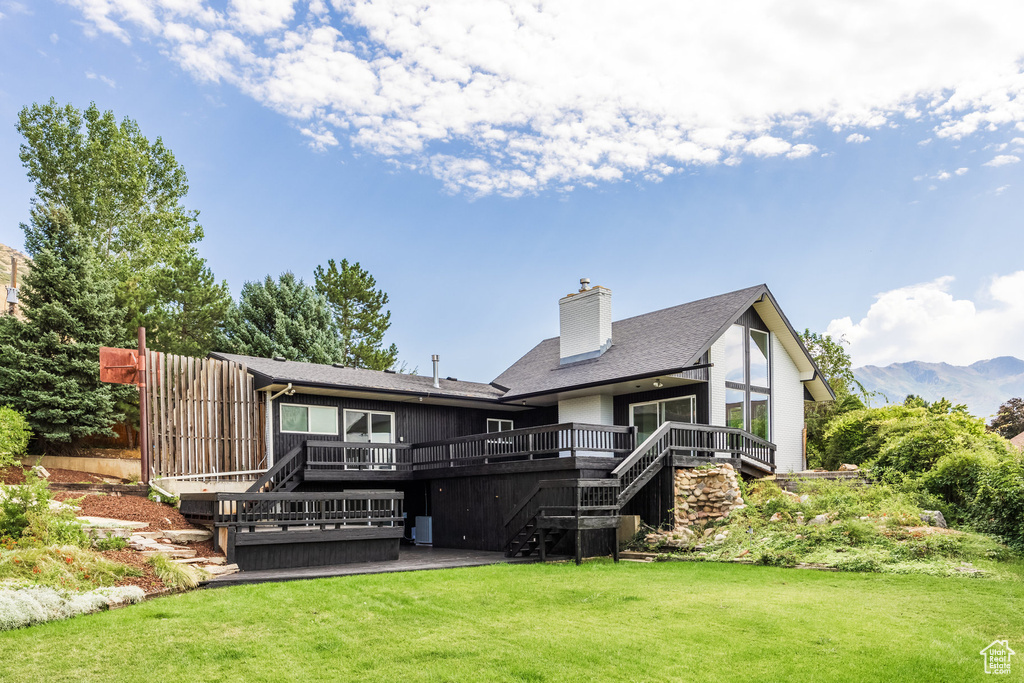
{"points": [[14, 435], [38, 604], [175, 574], [110, 543], [998, 507], [22, 502]]}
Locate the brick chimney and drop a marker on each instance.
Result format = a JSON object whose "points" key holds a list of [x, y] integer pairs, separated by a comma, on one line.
{"points": [[585, 322]]}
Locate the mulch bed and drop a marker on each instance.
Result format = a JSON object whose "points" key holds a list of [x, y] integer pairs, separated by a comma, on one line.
{"points": [[148, 582], [119, 453], [15, 474], [159, 516]]}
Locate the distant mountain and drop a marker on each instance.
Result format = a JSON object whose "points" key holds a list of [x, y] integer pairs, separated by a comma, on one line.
{"points": [[24, 263], [983, 386]]}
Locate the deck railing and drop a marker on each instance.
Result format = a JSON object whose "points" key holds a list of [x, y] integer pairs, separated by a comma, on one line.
{"points": [[335, 509], [348, 455], [570, 439]]}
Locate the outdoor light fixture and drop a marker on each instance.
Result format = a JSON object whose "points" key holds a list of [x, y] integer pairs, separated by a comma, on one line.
{"points": [[658, 384]]}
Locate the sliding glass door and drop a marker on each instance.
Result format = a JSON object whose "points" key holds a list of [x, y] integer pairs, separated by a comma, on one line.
{"points": [[647, 417]]}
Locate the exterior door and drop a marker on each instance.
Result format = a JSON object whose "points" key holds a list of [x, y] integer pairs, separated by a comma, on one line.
{"points": [[647, 417]]}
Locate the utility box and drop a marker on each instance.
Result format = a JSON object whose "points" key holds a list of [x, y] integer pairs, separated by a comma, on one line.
{"points": [[424, 531]]}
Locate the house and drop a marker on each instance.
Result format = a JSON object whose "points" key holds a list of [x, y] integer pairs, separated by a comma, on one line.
{"points": [[586, 427], [1018, 441]]}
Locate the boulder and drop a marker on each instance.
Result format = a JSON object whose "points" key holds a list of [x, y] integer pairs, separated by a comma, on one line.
{"points": [[188, 535], [777, 517], [819, 520], [846, 467], [933, 518]]}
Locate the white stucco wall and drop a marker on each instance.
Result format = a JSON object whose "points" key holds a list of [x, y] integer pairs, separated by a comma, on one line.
{"points": [[595, 410], [787, 410]]}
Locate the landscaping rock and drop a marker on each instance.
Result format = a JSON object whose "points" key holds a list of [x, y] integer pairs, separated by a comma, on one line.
{"points": [[819, 520], [222, 569], [720, 538], [107, 523], [846, 467], [41, 472], [933, 518], [777, 517], [188, 535]]}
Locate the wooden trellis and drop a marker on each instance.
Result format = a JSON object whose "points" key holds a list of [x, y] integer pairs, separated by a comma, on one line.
{"points": [[205, 417]]}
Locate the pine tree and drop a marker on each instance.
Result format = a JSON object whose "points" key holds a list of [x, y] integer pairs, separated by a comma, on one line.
{"points": [[192, 308], [284, 318], [358, 308], [50, 367]]}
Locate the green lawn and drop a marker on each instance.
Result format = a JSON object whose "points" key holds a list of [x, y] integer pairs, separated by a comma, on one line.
{"points": [[628, 622]]}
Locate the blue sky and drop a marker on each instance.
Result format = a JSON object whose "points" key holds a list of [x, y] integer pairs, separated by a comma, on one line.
{"points": [[922, 265]]}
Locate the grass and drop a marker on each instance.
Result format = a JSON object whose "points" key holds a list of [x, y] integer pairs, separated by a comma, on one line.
{"points": [[61, 567], [175, 574], [642, 622]]}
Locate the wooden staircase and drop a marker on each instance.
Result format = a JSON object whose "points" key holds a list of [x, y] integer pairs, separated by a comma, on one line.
{"points": [[531, 526]]}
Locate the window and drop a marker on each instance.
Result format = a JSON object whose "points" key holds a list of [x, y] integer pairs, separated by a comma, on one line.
{"points": [[735, 409], [759, 376], [748, 379], [496, 425], [759, 409], [367, 426], [309, 419], [647, 417], [735, 367]]}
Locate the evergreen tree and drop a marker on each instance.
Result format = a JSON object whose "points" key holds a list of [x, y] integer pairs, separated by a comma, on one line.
{"points": [[358, 308], [192, 308], [50, 370], [284, 318]]}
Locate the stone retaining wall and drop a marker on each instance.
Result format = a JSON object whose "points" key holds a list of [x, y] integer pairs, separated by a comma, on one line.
{"points": [[706, 494]]}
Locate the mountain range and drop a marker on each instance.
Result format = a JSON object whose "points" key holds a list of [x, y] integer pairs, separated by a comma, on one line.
{"points": [[982, 386]]}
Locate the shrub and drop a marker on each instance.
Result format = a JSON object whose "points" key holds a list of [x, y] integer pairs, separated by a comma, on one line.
{"points": [[110, 543], [176, 574], [20, 502], [14, 435], [998, 507], [38, 604]]}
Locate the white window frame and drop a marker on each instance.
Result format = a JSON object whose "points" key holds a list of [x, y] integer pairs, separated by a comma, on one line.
{"points": [[499, 420], [346, 411], [693, 408], [307, 407]]}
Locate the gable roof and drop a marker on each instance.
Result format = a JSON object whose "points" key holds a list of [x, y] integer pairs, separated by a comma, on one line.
{"points": [[269, 372], [663, 342], [1018, 441]]}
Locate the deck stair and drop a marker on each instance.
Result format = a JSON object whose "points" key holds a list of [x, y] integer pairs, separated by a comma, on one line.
{"points": [[554, 507]]}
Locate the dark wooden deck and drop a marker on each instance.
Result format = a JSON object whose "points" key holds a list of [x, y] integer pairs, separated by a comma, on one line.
{"points": [[410, 559]]}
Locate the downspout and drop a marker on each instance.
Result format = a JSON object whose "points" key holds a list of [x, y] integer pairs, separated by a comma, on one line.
{"points": [[287, 390]]}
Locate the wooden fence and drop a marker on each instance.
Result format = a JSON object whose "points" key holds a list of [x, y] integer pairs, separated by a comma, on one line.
{"points": [[205, 417]]}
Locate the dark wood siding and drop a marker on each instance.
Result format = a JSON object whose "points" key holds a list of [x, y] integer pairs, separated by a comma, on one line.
{"points": [[750, 317], [415, 422], [622, 403]]}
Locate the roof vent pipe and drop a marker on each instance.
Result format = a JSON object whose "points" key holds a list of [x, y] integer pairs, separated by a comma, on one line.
{"points": [[437, 381]]}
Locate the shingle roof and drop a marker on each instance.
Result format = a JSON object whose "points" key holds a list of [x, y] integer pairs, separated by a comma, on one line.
{"points": [[669, 339], [269, 371]]}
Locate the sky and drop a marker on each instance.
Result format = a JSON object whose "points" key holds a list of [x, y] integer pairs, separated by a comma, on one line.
{"points": [[478, 158]]}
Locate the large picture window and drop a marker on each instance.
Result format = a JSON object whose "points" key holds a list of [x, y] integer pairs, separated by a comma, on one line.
{"points": [[309, 419], [748, 379]]}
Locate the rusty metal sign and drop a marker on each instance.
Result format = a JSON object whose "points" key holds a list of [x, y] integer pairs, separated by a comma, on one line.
{"points": [[119, 366]]}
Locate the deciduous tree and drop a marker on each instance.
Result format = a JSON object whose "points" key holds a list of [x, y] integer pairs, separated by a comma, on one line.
{"points": [[1009, 420]]}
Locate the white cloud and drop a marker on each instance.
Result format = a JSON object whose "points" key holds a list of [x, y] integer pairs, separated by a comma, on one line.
{"points": [[54, 38], [1001, 189], [1003, 160], [512, 97], [925, 322], [92, 76], [857, 138], [961, 171]]}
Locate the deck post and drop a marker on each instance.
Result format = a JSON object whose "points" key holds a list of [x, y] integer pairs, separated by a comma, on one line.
{"points": [[579, 547], [541, 536]]}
